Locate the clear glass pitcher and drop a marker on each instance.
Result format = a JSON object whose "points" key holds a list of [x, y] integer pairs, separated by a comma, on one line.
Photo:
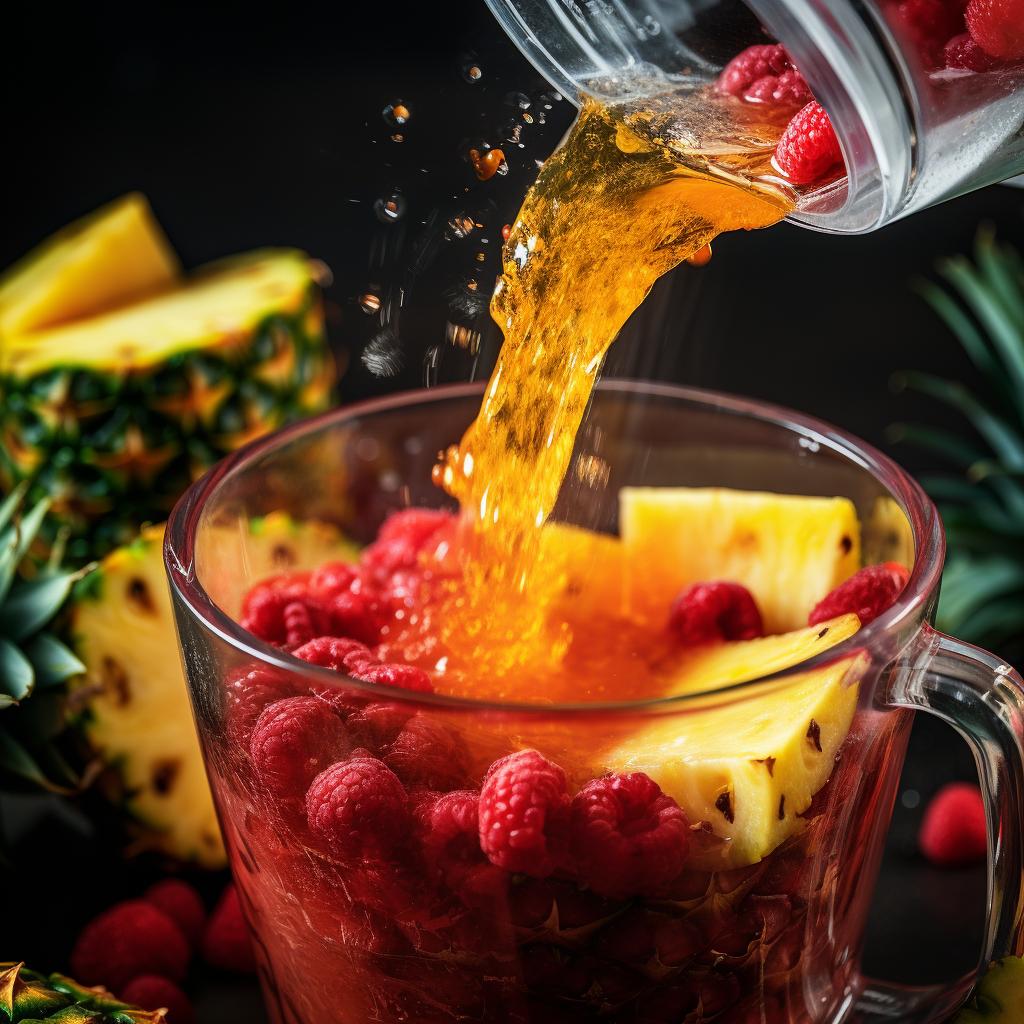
{"points": [[913, 131], [393, 931]]}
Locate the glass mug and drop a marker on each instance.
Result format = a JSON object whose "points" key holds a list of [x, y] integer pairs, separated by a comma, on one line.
{"points": [[913, 131], [390, 939]]}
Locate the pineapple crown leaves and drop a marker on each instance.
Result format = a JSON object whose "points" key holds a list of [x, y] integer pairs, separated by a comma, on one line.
{"points": [[27, 997], [33, 662], [982, 503]]}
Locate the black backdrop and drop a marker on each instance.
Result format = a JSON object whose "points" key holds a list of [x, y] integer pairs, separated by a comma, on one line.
{"points": [[251, 127]]}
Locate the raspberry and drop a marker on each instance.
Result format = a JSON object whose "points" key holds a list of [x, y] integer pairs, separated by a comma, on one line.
{"points": [[524, 814], [358, 807], [359, 614], [751, 65], [247, 694], [789, 88], [377, 725], [128, 940], [963, 52], [226, 942], [294, 741], [280, 617], [427, 753], [926, 25], [403, 537], [337, 653], [628, 837], [404, 677], [868, 592], [997, 26], [809, 150], [705, 612], [954, 831], [451, 835], [151, 992], [332, 578], [182, 904]]}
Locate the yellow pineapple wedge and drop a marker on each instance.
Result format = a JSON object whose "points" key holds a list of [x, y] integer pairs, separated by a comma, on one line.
{"points": [[136, 714], [585, 568], [789, 551], [110, 257], [749, 764]]}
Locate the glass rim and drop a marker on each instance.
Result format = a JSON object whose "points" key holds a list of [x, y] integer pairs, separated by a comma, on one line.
{"points": [[929, 548]]}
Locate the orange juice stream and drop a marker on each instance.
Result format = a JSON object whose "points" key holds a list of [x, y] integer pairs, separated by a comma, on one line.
{"points": [[611, 211]]}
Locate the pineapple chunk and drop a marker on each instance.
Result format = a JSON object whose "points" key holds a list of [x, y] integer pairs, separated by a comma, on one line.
{"points": [[788, 550], [749, 763], [587, 568], [223, 302], [109, 257], [138, 718]]}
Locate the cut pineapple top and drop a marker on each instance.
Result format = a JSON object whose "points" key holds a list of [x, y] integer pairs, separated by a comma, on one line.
{"points": [[137, 716], [216, 305], [110, 257], [749, 763], [789, 551]]}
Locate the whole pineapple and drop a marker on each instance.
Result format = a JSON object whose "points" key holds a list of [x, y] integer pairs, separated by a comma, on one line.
{"points": [[982, 504], [34, 664], [29, 996]]}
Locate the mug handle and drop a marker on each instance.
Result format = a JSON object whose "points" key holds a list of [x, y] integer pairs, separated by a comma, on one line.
{"points": [[982, 697]]}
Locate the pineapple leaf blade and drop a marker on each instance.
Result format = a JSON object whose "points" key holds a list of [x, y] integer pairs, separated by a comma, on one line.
{"points": [[30, 605], [17, 677], [16, 539], [53, 661]]}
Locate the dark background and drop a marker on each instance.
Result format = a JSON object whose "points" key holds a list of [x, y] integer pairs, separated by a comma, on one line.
{"points": [[249, 127]]}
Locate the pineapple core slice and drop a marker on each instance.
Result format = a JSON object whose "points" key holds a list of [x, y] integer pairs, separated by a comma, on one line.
{"points": [[789, 551], [749, 762], [112, 256]]}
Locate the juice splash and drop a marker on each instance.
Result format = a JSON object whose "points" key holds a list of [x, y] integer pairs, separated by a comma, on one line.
{"points": [[627, 197]]}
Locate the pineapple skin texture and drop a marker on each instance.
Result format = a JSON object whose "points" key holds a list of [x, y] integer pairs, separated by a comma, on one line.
{"points": [[137, 717], [789, 551], [113, 417], [750, 763], [109, 257]]}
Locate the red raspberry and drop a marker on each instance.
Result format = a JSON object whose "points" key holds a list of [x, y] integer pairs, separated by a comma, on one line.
{"points": [[628, 837], [997, 26], [280, 617], [358, 807], [151, 992], [705, 612], [294, 741], [964, 53], [427, 753], [751, 65], [247, 694], [451, 835], [337, 653], [926, 25], [524, 814], [129, 939], [789, 88], [226, 943], [360, 614], [809, 150], [404, 677], [332, 578], [182, 904], [954, 831], [377, 725], [868, 592], [403, 537]]}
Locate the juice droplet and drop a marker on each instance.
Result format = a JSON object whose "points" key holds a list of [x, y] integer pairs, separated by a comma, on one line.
{"points": [[460, 225], [369, 303], [488, 163], [472, 72], [389, 208], [702, 257], [398, 137], [506, 230], [480, 257], [527, 117], [396, 113], [519, 100]]}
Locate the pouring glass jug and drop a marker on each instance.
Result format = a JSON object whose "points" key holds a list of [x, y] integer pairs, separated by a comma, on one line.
{"points": [[913, 130]]}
